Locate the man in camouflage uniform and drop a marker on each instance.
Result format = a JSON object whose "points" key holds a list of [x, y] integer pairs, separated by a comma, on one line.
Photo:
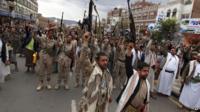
{"points": [[119, 70], [83, 64], [97, 92], [45, 62], [64, 62]]}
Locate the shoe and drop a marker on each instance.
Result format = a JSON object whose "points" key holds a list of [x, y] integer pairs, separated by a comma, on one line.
{"points": [[48, 86], [57, 86], [66, 87], [8, 77], [39, 87], [153, 96]]}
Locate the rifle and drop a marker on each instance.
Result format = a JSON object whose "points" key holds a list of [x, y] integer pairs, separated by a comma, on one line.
{"points": [[90, 16], [132, 23]]}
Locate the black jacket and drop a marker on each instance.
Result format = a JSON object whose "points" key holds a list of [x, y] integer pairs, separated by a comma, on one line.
{"points": [[26, 41]]}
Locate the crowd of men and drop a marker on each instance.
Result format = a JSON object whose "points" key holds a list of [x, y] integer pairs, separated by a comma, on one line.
{"points": [[103, 64]]}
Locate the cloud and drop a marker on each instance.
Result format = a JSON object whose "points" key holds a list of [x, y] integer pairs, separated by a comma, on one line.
{"points": [[74, 9]]}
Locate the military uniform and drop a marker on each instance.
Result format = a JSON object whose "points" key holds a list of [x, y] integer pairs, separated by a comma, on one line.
{"points": [[63, 70], [45, 63], [119, 70], [97, 92], [64, 62], [83, 66]]}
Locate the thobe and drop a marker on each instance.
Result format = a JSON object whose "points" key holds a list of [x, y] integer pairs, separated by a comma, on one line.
{"points": [[4, 69], [190, 95], [168, 74], [129, 90], [134, 60]]}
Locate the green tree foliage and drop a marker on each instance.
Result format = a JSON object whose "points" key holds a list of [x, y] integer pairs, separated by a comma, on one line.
{"points": [[166, 31]]}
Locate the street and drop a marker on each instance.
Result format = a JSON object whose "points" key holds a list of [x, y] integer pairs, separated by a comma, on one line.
{"points": [[19, 95]]}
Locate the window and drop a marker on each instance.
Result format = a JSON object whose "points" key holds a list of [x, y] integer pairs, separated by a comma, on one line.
{"points": [[168, 13], [187, 2], [174, 12], [184, 16], [23, 2]]}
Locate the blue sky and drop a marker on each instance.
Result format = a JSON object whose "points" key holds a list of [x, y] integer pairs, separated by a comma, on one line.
{"points": [[74, 9]]}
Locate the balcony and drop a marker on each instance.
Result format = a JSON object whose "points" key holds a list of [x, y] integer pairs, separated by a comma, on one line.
{"points": [[11, 4]]}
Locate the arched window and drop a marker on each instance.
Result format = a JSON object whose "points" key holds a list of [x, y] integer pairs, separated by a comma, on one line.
{"points": [[168, 13], [174, 12]]}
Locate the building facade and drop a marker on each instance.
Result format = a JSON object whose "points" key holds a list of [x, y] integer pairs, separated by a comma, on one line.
{"points": [[179, 9], [144, 14], [22, 9], [196, 9], [114, 16]]}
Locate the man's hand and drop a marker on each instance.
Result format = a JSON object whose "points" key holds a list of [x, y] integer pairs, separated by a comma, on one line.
{"points": [[142, 108], [110, 100]]}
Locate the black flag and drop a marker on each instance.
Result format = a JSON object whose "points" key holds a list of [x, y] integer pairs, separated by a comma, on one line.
{"points": [[132, 24]]}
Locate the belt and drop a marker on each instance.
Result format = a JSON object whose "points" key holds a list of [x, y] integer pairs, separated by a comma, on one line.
{"points": [[169, 71], [130, 108]]}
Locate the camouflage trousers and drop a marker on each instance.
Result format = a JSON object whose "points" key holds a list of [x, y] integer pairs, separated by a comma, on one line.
{"points": [[83, 69], [64, 63], [45, 66], [119, 75]]}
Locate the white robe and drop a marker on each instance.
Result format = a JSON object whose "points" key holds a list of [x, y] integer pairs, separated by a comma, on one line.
{"points": [[166, 79], [190, 95], [4, 69], [130, 88], [134, 57]]}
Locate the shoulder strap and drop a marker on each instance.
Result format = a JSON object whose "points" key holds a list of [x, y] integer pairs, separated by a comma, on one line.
{"points": [[192, 73], [133, 95], [193, 69]]}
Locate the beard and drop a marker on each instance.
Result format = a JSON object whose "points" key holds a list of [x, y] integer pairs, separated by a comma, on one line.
{"points": [[103, 67], [143, 77]]}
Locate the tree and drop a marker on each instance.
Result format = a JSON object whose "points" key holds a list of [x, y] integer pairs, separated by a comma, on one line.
{"points": [[166, 31]]}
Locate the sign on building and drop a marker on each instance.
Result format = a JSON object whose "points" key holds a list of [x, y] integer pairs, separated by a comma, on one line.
{"points": [[161, 16], [190, 25]]}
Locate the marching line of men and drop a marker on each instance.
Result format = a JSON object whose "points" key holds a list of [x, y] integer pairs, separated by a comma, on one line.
{"points": [[101, 65]]}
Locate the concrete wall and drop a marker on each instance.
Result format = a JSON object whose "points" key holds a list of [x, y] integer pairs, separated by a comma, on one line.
{"points": [[196, 9]]}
